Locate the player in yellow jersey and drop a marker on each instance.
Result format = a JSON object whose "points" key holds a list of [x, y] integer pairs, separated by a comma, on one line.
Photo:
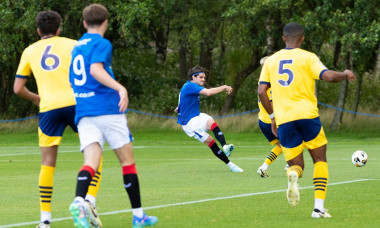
{"points": [[265, 127], [291, 74], [49, 60]]}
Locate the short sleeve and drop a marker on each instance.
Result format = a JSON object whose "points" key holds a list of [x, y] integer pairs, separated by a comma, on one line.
{"points": [[195, 88], [24, 69], [316, 66], [101, 52], [269, 93], [264, 75]]}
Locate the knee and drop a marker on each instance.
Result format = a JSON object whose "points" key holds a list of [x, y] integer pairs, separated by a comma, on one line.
{"points": [[297, 162], [209, 123]]}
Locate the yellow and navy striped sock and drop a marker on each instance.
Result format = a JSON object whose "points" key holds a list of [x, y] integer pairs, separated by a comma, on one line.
{"points": [[273, 155], [45, 183], [95, 182], [296, 168], [320, 179]]}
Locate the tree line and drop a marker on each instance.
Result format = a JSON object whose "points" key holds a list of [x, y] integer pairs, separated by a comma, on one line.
{"points": [[156, 41]]}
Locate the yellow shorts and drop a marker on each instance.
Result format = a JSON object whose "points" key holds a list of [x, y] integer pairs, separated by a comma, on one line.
{"points": [[53, 123], [299, 134], [266, 129]]}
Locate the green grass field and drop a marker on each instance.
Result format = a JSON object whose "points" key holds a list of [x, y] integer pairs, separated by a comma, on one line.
{"points": [[184, 185]]}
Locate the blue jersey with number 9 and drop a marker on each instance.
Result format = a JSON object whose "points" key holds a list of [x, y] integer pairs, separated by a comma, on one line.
{"points": [[92, 97], [291, 74]]}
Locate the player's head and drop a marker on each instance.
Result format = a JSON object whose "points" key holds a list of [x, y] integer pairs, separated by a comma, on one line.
{"points": [[195, 71], [293, 32], [197, 74], [95, 15], [48, 22]]}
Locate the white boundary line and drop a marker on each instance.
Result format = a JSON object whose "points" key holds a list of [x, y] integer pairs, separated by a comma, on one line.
{"points": [[36, 150], [186, 203], [174, 146], [61, 148]]}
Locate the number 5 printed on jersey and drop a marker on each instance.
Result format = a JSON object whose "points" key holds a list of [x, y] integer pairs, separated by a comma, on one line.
{"points": [[79, 70], [283, 70]]}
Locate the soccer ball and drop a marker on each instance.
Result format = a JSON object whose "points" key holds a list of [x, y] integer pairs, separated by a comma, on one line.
{"points": [[359, 158]]}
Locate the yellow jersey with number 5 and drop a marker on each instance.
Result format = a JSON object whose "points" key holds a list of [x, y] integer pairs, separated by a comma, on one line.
{"points": [[49, 61], [291, 74]]}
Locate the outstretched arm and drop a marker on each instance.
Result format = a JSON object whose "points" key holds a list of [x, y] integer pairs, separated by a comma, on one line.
{"points": [[213, 91], [335, 76], [101, 75], [20, 89]]}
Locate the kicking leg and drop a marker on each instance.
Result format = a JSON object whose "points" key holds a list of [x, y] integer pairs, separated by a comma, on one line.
{"points": [[210, 142], [213, 126]]}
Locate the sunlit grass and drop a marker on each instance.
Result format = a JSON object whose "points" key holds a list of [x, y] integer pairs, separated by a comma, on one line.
{"points": [[188, 187]]}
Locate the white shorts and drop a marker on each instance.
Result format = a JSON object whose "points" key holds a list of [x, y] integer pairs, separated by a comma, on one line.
{"points": [[111, 128], [196, 127]]}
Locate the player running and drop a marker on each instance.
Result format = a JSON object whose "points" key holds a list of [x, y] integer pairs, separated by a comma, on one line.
{"points": [[49, 61], [265, 127], [291, 74], [100, 115]]}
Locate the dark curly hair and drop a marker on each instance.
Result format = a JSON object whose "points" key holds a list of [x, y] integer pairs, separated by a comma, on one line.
{"points": [[195, 71], [48, 22]]}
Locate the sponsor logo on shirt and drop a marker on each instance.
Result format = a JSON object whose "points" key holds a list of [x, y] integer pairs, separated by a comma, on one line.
{"points": [[85, 95], [82, 42]]}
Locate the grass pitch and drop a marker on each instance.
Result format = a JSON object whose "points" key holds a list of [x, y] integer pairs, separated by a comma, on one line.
{"points": [[185, 185]]}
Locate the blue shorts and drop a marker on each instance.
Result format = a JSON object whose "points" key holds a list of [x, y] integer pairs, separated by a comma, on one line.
{"points": [[52, 124], [266, 129]]}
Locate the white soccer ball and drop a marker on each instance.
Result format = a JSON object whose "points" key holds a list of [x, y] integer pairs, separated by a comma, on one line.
{"points": [[359, 158]]}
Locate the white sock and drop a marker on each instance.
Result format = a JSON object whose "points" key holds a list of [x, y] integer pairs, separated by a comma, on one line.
{"points": [[138, 212], [265, 166], [45, 216], [319, 205], [92, 199], [230, 164], [80, 199]]}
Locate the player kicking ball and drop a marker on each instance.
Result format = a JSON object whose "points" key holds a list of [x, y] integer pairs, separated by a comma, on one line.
{"points": [[196, 124]]}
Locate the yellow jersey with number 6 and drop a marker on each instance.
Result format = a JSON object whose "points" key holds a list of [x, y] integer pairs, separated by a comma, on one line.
{"points": [[291, 74], [49, 61]]}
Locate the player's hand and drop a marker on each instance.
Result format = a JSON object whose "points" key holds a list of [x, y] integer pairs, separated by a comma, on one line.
{"points": [[176, 110], [228, 89], [123, 103], [274, 127], [36, 101], [350, 75]]}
